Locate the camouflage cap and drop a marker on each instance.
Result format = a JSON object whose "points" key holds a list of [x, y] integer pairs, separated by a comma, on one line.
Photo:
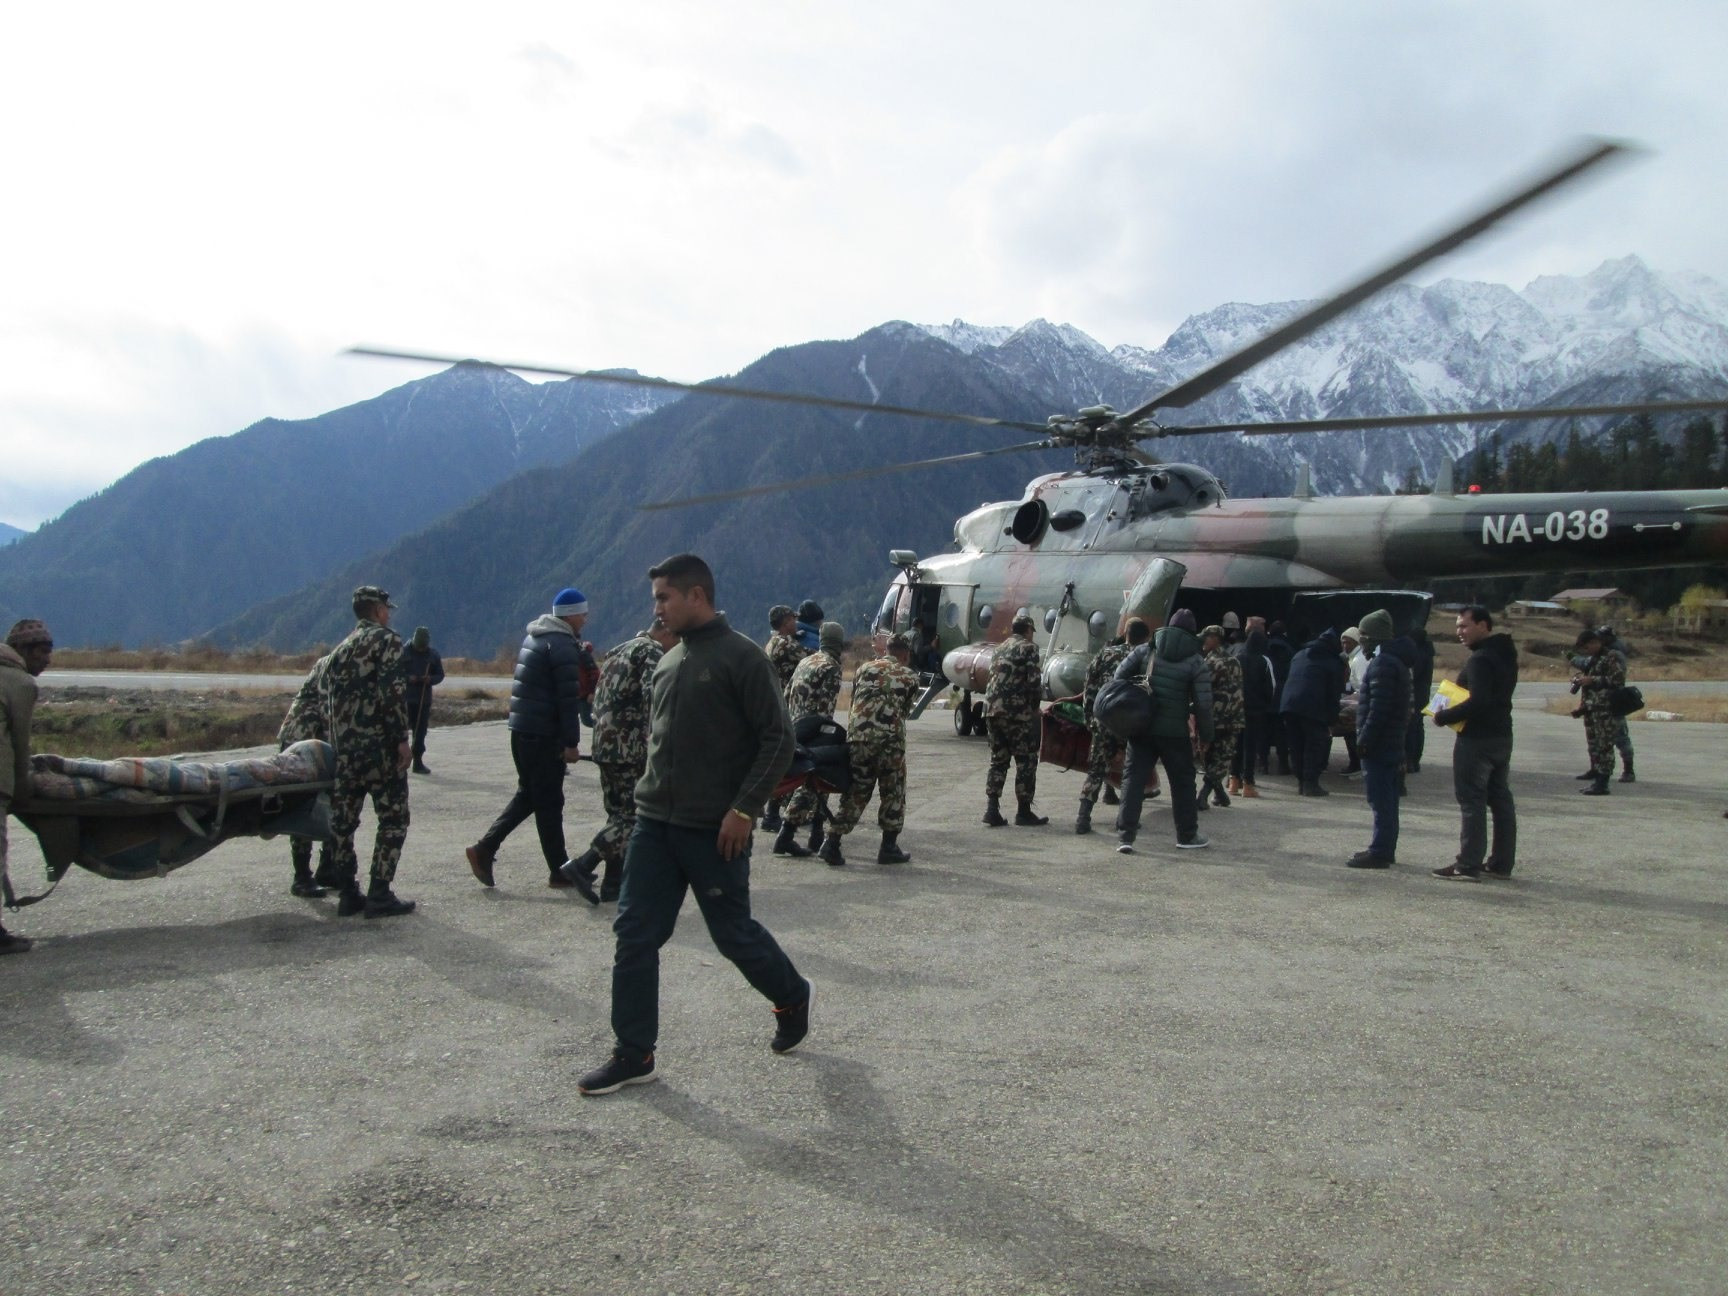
{"points": [[29, 632], [372, 594], [1212, 630]]}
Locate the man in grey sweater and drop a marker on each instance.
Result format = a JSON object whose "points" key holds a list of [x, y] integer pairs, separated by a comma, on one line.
{"points": [[718, 743]]}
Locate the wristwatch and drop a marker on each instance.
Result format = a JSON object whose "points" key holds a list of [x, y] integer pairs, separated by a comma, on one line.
{"points": [[749, 819]]}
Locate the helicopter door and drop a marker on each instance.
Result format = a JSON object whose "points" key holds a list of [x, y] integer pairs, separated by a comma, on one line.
{"points": [[1154, 591]]}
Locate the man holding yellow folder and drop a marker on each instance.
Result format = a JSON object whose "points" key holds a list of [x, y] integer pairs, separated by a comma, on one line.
{"points": [[1482, 754]]}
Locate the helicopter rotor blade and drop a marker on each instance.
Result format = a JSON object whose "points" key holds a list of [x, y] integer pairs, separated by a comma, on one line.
{"points": [[856, 474], [1454, 416], [1209, 380], [708, 389]]}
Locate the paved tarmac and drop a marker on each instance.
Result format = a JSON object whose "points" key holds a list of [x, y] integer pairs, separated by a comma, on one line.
{"points": [[1036, 1066]]}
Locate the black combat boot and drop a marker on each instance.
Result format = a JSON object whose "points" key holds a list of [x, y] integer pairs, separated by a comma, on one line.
{"points": [[889, 852], [786, 843], [830, 851], [1110, 797], [1626, 775], [1024, 818], [1083, 821], [993, 813], [10, 944], [304, 887], [611, 881], [817, 832], [1219, 796], [1311, 787], [1598, 788], [419, 766], [1204, 800], [579, 874], [349, 901], [382, 902], [1587, 774], [771, 820]]}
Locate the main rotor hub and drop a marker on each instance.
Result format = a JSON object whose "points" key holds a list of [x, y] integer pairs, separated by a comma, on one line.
{"points": [[1100, 437]]}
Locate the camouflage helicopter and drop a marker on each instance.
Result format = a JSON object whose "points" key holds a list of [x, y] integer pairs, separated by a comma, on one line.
{"points": [[1124, 534]]}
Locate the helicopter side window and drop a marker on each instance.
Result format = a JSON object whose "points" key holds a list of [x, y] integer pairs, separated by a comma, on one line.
{"points": [[1097, 623], [1049, 619], [985, 613], [951, 615]]}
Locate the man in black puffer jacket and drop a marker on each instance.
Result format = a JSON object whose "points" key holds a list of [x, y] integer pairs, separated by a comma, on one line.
{"points": [[1482, 755], [1310, 705], [545, 738], [1382, 716]]}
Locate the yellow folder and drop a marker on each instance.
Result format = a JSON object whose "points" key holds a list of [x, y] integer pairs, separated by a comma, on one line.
{"points": [[1450, 695]]}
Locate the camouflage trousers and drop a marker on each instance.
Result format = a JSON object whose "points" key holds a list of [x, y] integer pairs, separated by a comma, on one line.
{"points": [[1016, 739], [804, 805], [389, 792], [1221, 755], [1106, 746], [618, 799], [875, 762], [1604, 732]]}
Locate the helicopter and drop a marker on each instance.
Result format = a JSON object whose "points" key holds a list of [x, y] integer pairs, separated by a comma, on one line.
{"points": [[1125, 534]]}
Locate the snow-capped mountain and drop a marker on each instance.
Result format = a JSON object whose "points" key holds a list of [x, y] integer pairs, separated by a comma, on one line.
{"points": [[1621, 333]]}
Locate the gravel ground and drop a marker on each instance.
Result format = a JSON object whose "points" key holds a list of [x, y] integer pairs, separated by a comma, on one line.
{"points": [[1036, 1067]]}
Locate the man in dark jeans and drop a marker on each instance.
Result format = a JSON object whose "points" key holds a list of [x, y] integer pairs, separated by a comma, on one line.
{"points": [[1482, 755], [718, 742], [545, 733], [1382, 716], [1180, 681]]}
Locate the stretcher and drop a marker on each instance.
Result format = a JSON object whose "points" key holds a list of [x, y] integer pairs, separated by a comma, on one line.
{"points": [[143, 818]]}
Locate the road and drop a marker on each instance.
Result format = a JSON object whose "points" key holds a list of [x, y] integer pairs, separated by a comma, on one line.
{"points": [[1036, 1067], [197, 681]]}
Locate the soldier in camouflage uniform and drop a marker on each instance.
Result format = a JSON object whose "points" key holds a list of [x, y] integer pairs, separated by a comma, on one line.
{"points": [[364, 701], [814, 691], [1229, 715], [305, 719], [883, 691], [1104, 746], [1011, 702], [1603, 672], [620, 749], [785, 652]]}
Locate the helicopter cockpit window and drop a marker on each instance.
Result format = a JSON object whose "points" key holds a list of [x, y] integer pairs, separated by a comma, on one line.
{"points": [[885, 617], [984, 615], [1030, 519], [1022, 612], [1050, 617], [1097, 623]]}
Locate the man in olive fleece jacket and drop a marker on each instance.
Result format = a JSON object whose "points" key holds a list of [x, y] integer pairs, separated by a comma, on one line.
{"points": [[718, 742]]}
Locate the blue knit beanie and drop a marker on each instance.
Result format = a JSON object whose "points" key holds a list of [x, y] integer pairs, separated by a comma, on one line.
{"points": [[569, 602]]}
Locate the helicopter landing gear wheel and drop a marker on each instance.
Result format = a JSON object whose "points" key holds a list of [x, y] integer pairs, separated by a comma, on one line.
{"points": [[963, 719]]}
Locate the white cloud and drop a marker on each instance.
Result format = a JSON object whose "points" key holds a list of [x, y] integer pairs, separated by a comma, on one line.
{"points": [[230, 195]]}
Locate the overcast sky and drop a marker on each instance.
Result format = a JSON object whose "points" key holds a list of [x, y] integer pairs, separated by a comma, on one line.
{"points": [[205, 204]]}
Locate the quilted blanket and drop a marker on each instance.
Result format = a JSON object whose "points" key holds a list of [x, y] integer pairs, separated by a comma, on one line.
{"points": [[148, 780]]}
